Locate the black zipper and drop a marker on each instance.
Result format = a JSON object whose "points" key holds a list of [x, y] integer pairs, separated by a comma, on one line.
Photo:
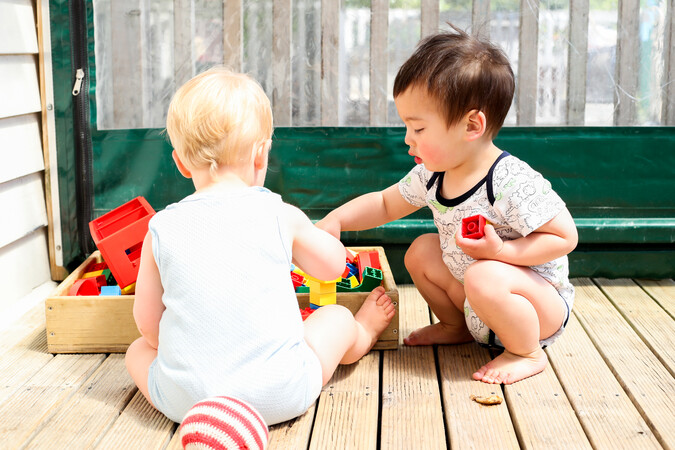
{"points": [[81, 116]]}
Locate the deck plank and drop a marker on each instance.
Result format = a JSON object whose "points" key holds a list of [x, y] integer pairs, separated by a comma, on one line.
{"points": [[88, 414], [412, 414], [24, 412], [542, 415], [139, 426], [647, 318], [31, 323], [648, 383], [19, 363], [663, 291], [294, 433], [347, 413], [471, 425], [607, 415]]}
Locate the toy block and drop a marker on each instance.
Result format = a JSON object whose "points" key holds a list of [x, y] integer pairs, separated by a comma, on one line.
{"points": [[368, 259], [127, 290], [353, 281], [84, 286], [353, 271], [111, 290], [328, 298], [110, 279], [306, 312], [302, 289], [313, 306], [473, 227], [297, 279], [344, 286], [351, 255], [95, 267], [372, 278], [92, 274], [119, 236], [346, 272]]}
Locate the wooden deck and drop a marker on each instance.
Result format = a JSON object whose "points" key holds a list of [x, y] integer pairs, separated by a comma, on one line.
{"points": [[610, 385]]}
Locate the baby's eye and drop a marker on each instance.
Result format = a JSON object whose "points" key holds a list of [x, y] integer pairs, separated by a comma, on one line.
{"points": [[418, 131]]}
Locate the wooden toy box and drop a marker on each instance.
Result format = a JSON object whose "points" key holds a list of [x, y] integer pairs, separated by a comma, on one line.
{"points": [[105, 324]]}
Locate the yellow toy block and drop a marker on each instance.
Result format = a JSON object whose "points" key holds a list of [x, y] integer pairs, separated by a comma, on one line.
{"points": [[92, 274], [329, 298], [353, 281], [129, 289]]}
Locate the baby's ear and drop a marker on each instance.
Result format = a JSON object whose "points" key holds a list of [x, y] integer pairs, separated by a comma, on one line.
{"points": [[179, 164], [476, 124], [260, 154]]}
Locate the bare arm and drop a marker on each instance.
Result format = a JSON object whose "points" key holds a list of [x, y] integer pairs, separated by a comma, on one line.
{"points": [[148, 305], [367, 211], [315, 251], [554, 239]]}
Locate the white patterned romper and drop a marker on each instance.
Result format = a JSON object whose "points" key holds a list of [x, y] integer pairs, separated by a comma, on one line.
{"points": [[516, 199]]}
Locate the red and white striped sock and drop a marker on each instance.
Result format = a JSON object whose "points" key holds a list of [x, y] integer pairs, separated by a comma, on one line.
{"points": [[221, 423]]}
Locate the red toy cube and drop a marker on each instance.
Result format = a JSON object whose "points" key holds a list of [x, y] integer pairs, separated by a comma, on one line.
{"points": [[368, 259], [473, 227], [119, 236]]}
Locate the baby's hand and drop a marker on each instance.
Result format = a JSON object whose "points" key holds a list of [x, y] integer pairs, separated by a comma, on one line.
{"points": [[330, 226], [487, 247]]}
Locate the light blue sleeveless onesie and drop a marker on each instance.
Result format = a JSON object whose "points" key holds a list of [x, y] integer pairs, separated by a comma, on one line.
{"points": [[232, 325]]}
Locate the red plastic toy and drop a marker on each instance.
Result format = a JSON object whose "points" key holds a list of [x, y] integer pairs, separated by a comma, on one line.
{"points": [[368, 259], [306, 312], [119, 236], [473, 227], [84, 286]]}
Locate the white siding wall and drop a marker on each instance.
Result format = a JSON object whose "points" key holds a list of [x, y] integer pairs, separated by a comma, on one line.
{"points": [[24, 258]]}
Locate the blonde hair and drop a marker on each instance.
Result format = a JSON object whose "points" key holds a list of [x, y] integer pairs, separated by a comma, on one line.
{"points": [[217, 117]]}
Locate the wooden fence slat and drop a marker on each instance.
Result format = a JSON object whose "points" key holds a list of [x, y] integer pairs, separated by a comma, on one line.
{"points": [[411, 401], [43, 395], [127, 41], [379, 38], [330, 47], [577, 58], [281, 62], [233, 34], [528, 67], [645, 316], [429, 18], [627, 62], [140, 426], [183, 36], [480, 18], [85, 417], [348, 407], [48, 124], [648, 384], [471, 425], [605, 411], [668, 113], [663, 292]]}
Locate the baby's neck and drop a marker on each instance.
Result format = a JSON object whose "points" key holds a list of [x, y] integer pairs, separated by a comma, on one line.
{"points": [[223, 180]]}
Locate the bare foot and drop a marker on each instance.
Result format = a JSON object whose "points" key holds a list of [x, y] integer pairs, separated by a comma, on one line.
{"points": [[375, 314], [439, 333], [508, 368]]}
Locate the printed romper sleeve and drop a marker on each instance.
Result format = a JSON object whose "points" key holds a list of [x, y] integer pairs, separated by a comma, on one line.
{"points": [[523, 197], [413, 187]]}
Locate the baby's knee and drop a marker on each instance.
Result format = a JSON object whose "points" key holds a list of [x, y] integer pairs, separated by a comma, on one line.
{"points": [[482, 278], [418, 253]]}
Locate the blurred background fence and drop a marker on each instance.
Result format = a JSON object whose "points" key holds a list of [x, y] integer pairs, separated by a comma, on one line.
{"points": [[332, 62]]}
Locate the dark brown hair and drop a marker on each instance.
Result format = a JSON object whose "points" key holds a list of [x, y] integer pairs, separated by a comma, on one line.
{"points": [[462, 73]]}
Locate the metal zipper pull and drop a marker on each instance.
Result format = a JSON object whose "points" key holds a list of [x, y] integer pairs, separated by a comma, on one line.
{"points": [[79, 76]]}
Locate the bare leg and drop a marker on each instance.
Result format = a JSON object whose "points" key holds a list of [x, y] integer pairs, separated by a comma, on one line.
{"points": [[338, 337], [138, 359], [521, 308], [443, 293]]}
